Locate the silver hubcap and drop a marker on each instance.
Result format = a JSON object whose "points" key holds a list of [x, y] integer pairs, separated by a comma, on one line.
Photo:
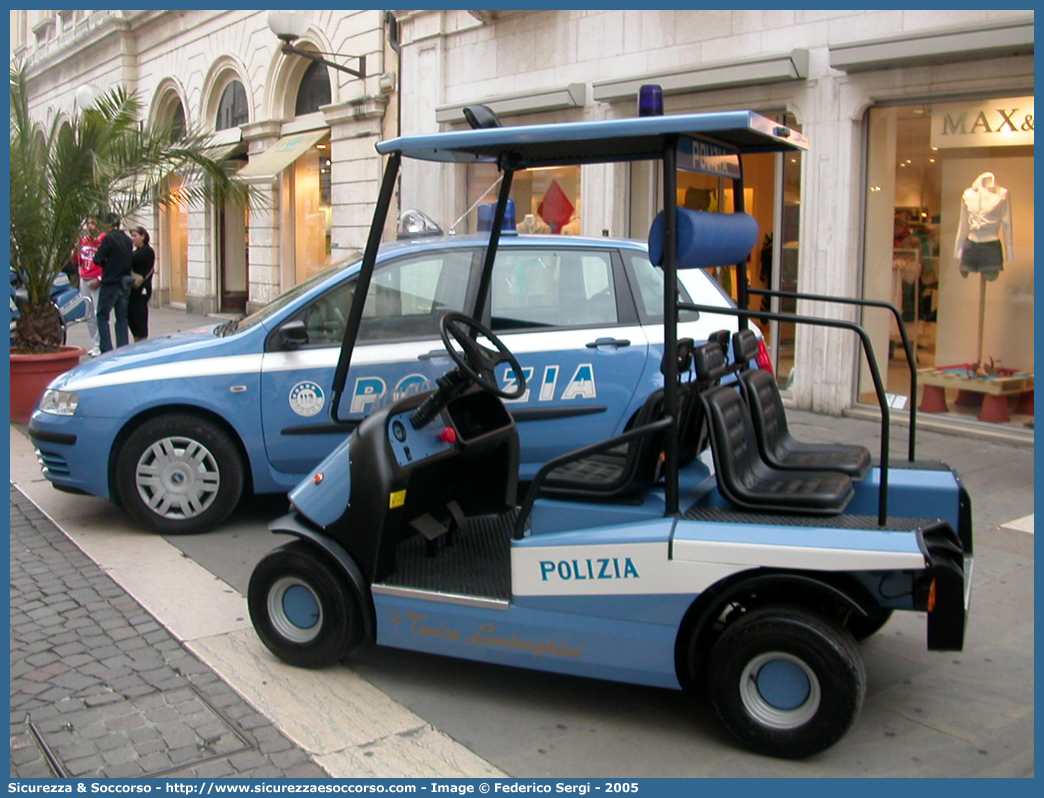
{"points": [[295, 610], [177, 478], [779, 690]]}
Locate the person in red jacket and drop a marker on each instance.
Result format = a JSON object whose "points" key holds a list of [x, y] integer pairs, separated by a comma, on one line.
{"points": [[90, 276]]}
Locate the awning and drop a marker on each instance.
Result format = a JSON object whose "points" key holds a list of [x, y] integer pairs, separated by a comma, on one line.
{"points": [[220, 152], [281, 154]]}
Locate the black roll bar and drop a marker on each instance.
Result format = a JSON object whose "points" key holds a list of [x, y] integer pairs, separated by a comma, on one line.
{"points": [[870, 303], [670, 317], [491, 246], [578, 454], [362, 284], [882, 501]]}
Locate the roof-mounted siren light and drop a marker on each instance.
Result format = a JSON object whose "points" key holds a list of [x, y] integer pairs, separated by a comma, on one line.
{"points": [[485, 218], [650, 100], [414, 224], [481, 116]]}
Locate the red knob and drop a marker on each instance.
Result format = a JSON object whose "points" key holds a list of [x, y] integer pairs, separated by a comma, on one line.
{"points": [[448, 435]]}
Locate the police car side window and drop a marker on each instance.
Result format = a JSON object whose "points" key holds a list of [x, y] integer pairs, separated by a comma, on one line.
{"points": [[408, 297], [552, 288], [648, 287], [326, 317]]}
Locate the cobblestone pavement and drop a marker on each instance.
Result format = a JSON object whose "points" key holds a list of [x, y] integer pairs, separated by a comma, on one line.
{"points": [[100, 689]]}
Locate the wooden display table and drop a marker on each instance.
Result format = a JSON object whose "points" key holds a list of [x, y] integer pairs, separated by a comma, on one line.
{"points": [[995, 390]]}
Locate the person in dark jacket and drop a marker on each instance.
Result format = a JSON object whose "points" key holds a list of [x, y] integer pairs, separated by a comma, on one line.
{"points": [[143, 263], [114, 256]]}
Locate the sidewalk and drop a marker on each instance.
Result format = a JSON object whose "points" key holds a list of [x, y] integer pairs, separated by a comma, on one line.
{"points": [[99, 688]]}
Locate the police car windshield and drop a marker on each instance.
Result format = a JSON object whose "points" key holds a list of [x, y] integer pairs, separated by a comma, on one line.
{"points": [[289, 296]]}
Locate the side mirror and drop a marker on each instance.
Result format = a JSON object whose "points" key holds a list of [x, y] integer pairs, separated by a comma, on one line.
{"points": [[293, 334]]}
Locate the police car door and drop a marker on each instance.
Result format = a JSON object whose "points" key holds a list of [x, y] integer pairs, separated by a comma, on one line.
{"points": [[567, 314], [408, 296]]}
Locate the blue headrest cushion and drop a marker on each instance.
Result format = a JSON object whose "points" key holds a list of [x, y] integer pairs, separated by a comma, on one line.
{"points": [[706, 239]]}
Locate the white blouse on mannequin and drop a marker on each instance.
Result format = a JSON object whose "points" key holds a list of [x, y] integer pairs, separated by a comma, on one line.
{"points": [[985, 215]]}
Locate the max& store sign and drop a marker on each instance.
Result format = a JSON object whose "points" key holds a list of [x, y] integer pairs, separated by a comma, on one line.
{"points": [[1005, 122]]}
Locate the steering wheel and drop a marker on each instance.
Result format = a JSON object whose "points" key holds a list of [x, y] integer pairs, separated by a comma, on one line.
{"points": [[477, 362]]}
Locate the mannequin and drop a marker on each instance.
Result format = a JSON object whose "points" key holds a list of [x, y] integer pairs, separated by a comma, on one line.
{"points": [[984, 222], [984, 225]]}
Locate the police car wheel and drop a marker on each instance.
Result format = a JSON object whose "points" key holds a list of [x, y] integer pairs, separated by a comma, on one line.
{"points": [[785, 681], [179, 473], [863, 626], [302, 607]]}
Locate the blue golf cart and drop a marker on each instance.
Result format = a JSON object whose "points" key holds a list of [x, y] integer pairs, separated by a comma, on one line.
{"points": [[702, 548]]}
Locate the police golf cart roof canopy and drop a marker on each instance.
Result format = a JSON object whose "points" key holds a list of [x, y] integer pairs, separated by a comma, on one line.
{"points": [[633, 139]]}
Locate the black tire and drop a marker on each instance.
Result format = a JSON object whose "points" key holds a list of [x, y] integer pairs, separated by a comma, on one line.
{"points": [[785, 681], [179, 473], [863, 626], [302, 607]]}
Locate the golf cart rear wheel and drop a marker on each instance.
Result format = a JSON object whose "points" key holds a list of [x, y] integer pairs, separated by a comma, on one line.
{"points": [[179, 472], [785, 681], [302, 608]]}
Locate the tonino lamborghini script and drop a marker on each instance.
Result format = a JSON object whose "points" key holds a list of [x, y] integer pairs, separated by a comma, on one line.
{"points": [[601, 568]]}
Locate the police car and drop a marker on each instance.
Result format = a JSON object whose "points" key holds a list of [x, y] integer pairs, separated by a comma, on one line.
{"points": [[175, 429]]}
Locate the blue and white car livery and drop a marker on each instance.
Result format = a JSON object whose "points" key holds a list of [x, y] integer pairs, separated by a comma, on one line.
{"points": [[175, 428]]}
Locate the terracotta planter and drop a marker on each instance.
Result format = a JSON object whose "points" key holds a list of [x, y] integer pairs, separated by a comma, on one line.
{"points": [[30, 375]]}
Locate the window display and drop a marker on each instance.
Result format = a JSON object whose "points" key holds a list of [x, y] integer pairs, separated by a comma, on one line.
{"points": [[547, 200], [958, 189]]}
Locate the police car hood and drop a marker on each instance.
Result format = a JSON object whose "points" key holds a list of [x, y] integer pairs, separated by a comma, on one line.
{"points": [[152, 359]]}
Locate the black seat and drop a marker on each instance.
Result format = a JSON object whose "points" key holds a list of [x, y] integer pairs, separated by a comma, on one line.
{"points": [[631, 468], [777, 446], [743, 477], [619, 472]]}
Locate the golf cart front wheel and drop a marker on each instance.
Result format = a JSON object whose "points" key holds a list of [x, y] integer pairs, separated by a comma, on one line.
{"points": [[785, 681], [302, 608]]}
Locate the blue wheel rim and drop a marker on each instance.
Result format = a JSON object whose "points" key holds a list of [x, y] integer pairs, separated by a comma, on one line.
{"points": [[779, 690], [295, 610], [783, 684], [301, 607]]}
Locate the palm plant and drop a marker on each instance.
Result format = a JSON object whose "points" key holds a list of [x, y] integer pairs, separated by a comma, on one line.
{"points": [[97, 161]]}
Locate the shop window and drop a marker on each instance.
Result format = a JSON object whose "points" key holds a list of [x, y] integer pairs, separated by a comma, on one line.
{"points": [[547, 200], [232, 109], [772, 195], [312, 210], [174, 239], [949, 241]]}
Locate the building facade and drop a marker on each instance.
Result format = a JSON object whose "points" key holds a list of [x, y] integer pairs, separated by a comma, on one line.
{"points": [[906, 112], [302, 133]]}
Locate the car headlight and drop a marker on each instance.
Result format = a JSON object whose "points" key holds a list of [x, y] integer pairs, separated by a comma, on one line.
{"points": [[61, 403]]}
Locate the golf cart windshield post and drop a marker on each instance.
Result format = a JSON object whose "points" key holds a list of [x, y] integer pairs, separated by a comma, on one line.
{"points": [[494, 239], [362, 282], [907, 346], [670, 319], [868, 349]]}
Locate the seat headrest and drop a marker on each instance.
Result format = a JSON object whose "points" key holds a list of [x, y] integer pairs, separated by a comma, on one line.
{"points": [[710, 362], [685, 352], [744, 346], [721, 338], [706, 240]]}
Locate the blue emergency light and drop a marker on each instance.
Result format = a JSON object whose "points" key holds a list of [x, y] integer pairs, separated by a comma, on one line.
{"points": [[650, 100]]}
